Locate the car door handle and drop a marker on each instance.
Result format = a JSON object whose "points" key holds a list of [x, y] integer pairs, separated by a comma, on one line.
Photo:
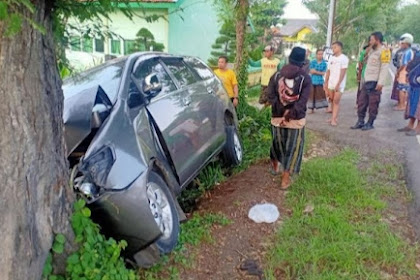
{"points": [[187, 101]]}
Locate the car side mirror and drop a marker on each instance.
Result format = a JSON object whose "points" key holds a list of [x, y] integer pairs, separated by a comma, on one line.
{"points": [[151, 85], [135, 99]]}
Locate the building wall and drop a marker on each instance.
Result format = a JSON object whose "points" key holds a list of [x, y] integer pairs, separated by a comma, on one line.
{"points": [[124, 29], [300, 36], [193, 28]]}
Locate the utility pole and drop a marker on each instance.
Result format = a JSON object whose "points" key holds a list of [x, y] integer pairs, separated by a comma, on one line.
{"points": [[331, 16]]}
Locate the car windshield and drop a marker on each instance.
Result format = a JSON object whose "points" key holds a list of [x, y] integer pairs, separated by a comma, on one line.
{"points": [[108, 77]]}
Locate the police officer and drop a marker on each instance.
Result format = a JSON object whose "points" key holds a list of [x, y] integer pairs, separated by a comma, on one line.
{"points": [[375, 76]]}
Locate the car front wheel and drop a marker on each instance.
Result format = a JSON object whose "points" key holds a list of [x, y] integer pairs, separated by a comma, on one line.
{"points": [[162, 206], [233, 151]]}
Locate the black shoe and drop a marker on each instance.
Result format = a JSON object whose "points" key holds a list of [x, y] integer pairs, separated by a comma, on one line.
{"points": [[367, 126], [358, 125]]}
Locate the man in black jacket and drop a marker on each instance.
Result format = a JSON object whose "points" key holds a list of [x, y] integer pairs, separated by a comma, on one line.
{"points": [[288, 93]]}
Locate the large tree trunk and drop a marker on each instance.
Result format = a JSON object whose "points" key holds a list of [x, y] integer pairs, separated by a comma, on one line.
{"points": [[241, 17], [35, 202]]}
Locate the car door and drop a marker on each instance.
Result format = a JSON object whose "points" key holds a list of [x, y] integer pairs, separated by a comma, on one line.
{"points": [[168, 109], [210, 105], [194, 126]]}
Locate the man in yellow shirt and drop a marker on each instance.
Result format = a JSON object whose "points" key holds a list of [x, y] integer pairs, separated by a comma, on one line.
{"points": [[228, 77], [269, 65]]}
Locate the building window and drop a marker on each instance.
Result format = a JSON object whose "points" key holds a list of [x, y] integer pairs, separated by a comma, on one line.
{"points": [[115, 46], [87, 44], [75, 43], [99, 45], [130, 46]]}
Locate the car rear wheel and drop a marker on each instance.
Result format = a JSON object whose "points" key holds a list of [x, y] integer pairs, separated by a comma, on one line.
{"points": [[233, 152], [162, 206]]}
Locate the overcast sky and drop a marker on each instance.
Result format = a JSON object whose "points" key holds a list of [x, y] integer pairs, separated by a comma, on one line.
{"points": [[295, 9]]}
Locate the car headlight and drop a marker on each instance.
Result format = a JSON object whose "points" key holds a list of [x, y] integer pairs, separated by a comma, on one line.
{"points": [[98, 165]]}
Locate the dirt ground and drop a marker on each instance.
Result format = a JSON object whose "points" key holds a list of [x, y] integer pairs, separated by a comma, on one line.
{"points": [[239, 248]]}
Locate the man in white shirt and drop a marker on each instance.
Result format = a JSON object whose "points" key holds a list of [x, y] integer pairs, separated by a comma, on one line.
{"points": [[335, 79]]}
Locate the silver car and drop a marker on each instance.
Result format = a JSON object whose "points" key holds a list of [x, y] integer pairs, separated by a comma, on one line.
{"points": [[138, 129]]}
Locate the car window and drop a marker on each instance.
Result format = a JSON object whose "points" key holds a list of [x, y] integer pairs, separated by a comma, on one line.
{"points": [[108, 77], [181, 72], [202, 70], [154, 66]]}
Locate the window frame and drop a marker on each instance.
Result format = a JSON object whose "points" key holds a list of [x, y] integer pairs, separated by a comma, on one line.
{"points": [[197, 78], [158, 59], [192, 68]]}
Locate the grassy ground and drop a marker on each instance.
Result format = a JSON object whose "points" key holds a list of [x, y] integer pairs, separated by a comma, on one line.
{"points": [[336, 230], [351, 77]]}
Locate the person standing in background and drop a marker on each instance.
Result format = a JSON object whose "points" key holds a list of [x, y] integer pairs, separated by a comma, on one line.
{"points": [[361, 68], [269, 65], [228, 77], [406, 56], [317, 70], [377, 66], [335, 79]]}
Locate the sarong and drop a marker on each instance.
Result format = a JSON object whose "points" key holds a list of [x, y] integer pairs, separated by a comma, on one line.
{"points": [[287, 147]]}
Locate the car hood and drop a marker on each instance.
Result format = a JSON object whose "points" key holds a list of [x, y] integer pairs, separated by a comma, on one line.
{"points": [[77, 115]]}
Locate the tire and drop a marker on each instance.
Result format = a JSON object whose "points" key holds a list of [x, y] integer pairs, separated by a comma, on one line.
{"points": [[233, 151], [162, 206]]}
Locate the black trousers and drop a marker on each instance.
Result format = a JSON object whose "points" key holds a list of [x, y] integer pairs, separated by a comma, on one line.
{"points": [[368, 99]]}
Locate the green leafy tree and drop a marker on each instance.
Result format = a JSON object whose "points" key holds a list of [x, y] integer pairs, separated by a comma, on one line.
{"points": [[146, 41], [406, 21], [354, 20], [225, 44], [264, 14]]}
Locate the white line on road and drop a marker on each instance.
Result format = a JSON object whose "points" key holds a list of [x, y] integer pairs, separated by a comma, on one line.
{"points": [[418, 138]]}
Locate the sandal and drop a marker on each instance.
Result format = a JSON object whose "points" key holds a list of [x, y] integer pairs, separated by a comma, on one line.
{"points": [[404, 129], [412, 132], [399, 109]]}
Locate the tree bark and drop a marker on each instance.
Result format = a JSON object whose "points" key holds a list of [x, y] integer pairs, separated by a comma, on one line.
{"points": [[241, 20], [35, 200]]}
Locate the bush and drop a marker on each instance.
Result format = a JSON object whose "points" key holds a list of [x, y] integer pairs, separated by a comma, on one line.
{"points": [[96, 258]]}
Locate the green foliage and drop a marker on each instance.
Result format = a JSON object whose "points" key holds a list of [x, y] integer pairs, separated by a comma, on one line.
{"points": [[12, 12], [355, 20], [96, 258], [336, 230], [264, 14], [352, 83], [146, 41], [242, 77], [225, 44], [406, 21]]}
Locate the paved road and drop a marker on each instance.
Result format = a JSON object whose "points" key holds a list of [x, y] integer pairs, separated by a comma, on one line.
{"points": [[383, 137]]}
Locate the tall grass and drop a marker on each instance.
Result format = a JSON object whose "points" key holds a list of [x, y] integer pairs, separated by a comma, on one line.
{"points": [[344, 236]]}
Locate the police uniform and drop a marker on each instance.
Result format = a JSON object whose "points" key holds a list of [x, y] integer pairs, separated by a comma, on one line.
{"points": [[376, 72]]}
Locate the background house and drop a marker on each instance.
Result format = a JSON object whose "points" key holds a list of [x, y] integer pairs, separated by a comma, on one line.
{"points": [[295, 31], [179, 27]]}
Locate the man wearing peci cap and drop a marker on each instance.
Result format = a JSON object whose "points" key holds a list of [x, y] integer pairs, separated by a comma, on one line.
{"points": [[288, 93], [269, 65]]}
